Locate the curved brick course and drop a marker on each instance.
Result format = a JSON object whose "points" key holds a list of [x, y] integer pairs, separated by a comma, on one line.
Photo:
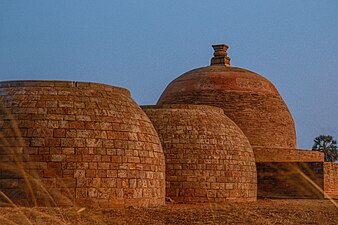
{"points": [[208, 158], [87, 141], [248, 99]]}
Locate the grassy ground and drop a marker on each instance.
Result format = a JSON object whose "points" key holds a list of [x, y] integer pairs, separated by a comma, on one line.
{"points": [[260, 212]]}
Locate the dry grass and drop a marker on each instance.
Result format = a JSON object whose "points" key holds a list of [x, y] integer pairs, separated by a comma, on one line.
{"points": [[260, 212]]}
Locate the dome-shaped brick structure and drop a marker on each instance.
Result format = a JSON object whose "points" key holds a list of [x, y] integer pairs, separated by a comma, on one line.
{"points": [[247, 98], [208, 158], [83, 143]]}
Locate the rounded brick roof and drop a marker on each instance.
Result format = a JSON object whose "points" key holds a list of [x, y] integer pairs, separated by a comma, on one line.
{"points": [[208, 158], [221, 78], [247, 98], [83, 143]]}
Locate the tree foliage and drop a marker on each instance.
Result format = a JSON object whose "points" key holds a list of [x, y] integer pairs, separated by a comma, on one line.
{"points": [[327, 145]]}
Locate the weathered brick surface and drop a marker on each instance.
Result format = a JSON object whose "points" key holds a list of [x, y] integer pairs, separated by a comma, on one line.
{"points": [[208, 158], [287, 155], [290, 180], [331, 179], [247, 98], [86, 141]]}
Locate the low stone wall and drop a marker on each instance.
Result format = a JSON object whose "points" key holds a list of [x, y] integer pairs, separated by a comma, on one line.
{"points": [[287, 155], [286, 173], [290, 180], [331, 179]]}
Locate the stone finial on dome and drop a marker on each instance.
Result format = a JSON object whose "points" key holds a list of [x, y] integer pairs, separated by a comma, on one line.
{"points": [[220, 55]]}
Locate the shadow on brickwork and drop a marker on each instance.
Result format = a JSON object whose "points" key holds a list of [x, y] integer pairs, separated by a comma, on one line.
{"points": [[290, 180]]}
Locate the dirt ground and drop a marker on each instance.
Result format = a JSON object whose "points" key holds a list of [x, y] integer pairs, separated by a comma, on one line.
{"points": [[260, 212]]}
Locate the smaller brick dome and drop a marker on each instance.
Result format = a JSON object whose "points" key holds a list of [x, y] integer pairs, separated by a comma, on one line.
{"points": [[208, 158], [84, 142], [247, 98]]}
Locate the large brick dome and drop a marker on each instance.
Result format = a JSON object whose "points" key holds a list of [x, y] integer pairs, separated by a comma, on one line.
{"points": [[247, 98], [83, 143], [208, 158]]}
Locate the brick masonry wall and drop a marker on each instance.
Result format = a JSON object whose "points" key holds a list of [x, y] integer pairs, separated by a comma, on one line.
{"points": [[331, 179], [208, 158], [290, 180], [83, 143], [247, 98], [287, 155]]}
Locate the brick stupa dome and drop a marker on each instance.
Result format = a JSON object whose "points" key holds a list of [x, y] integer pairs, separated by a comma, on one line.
{"points": [[208, 158], [83, 143], [247, 98]]}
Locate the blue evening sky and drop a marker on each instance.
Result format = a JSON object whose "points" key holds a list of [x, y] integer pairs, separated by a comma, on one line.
{"points": [[143, 45]]}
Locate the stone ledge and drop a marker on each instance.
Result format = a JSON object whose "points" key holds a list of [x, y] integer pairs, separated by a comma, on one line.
{"points": [[59, 83], [287, 155]]}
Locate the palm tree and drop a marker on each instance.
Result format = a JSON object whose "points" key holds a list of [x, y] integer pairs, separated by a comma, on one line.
{"points": [[327, 145]]}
